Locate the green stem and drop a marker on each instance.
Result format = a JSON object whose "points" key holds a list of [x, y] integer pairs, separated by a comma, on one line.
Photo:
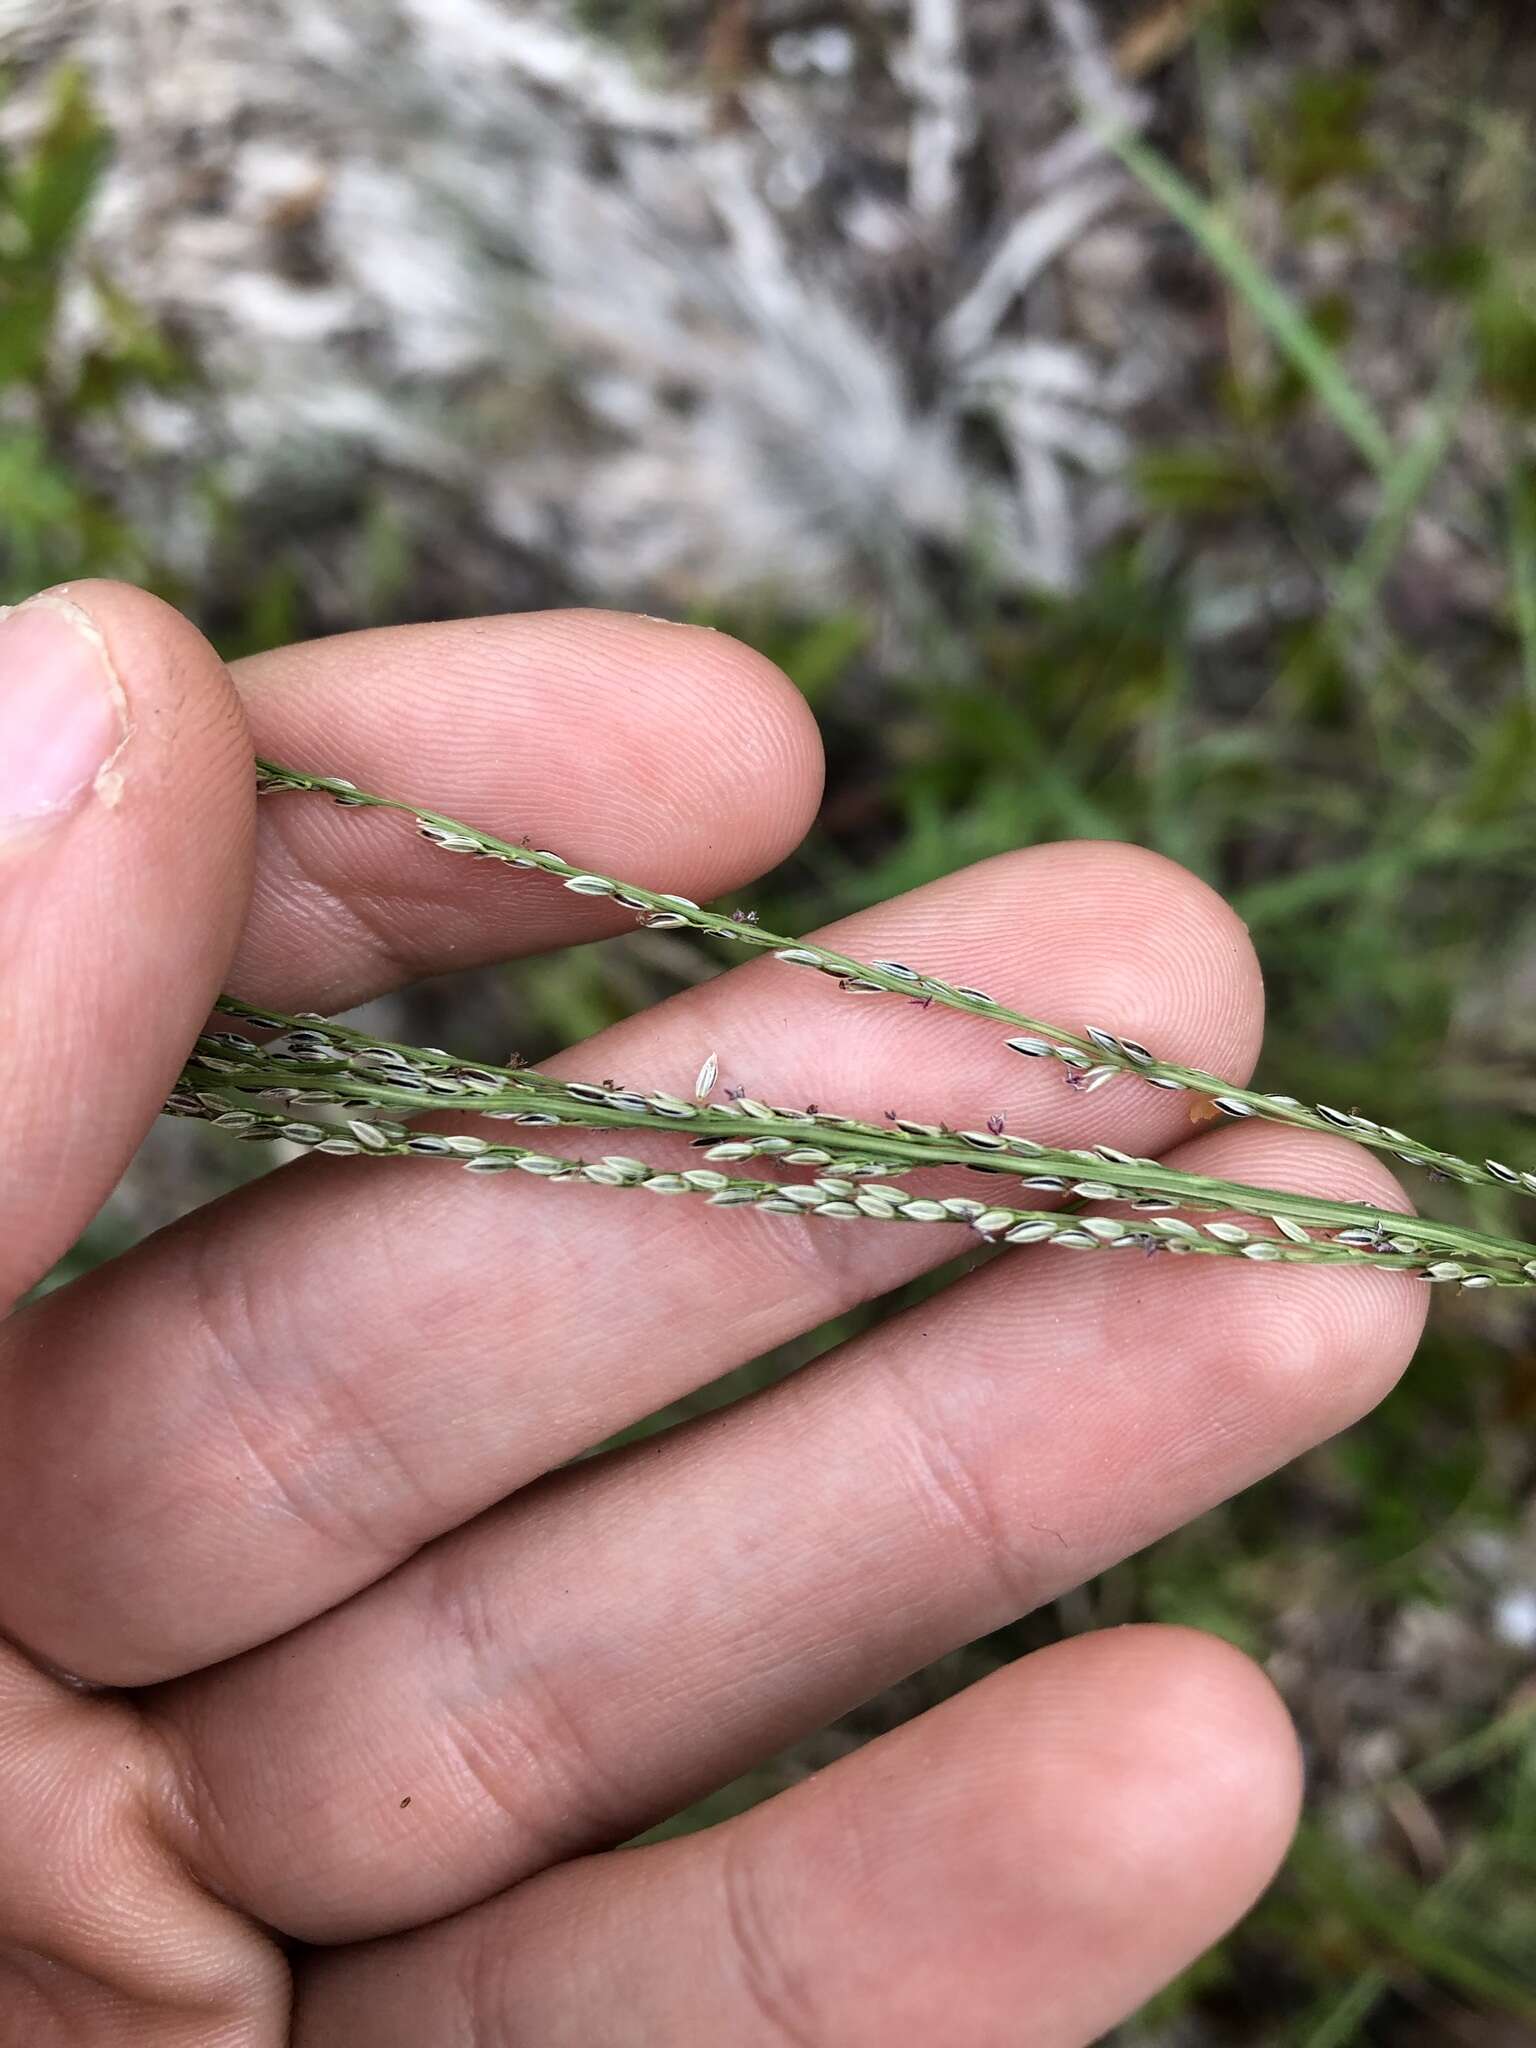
{"points": [[329, 1066], [829, 1196], [1093, 1056]]}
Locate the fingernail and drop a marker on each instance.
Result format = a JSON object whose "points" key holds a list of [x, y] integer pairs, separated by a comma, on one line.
{"points": [[62, 714]]}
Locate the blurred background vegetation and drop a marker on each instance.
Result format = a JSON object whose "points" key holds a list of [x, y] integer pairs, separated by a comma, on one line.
{"points": [[1297, 653]]}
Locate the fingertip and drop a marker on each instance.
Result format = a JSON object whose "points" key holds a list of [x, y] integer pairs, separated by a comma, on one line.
{"points": [[673, 756], [1203, 1737], [1116, 936], [1130, 1795], [770, 728], [708, 719], [116, 936], [1178, 931], [750, 707], [1128, 1747], [187, 785], [1126, 1793], [188, 739]]}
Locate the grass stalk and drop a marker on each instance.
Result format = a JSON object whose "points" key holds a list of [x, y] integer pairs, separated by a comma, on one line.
{"points": [[323, 1066], [1092, 1056], [835, 1197], [1276, 311], [1522, 570]]}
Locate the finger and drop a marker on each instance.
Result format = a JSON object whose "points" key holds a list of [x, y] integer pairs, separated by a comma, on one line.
{"points": [[125, 828], [320, 1380], [104, 1937], [595, 730], [640, 1629], [1025, 1864], [671, 755]]}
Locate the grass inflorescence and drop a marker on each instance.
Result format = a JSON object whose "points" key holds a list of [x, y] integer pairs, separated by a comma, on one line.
{"points": [[314, 1065]]}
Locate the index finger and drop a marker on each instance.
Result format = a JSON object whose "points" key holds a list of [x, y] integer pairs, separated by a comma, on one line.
{"points": [[669, 754]]}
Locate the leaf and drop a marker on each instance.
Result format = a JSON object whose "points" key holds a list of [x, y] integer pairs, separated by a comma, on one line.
{"points": [[1289, 328], [52, 193]]}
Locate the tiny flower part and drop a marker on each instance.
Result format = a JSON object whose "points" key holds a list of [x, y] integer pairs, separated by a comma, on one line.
{"points": [[1086, 1083]]}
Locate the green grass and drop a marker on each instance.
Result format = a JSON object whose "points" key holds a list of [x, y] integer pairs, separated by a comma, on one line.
{"points": [[1299, 339], [54, 522]]}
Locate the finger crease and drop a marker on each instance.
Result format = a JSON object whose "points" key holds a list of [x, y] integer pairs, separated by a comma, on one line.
{"points": [[555, 1764], [351, 911], [958, 1499], [332, 1521], [772, 1988]]}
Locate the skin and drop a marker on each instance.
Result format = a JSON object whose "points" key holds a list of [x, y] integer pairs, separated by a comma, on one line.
{"points": [[325, 1692]]}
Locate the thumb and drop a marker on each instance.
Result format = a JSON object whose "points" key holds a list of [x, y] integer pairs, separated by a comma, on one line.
{"points": [[126, 799]]}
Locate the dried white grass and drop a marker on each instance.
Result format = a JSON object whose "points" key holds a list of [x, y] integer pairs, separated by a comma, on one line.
{"points": [[690, 394]]}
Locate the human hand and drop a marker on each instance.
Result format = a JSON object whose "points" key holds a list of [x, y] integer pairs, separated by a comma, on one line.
{"points": [[370, 1684]]}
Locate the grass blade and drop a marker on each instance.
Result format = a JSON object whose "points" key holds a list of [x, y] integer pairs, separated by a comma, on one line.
{"points": [[1522, 573], [1287, 325], [1402, 489]]}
